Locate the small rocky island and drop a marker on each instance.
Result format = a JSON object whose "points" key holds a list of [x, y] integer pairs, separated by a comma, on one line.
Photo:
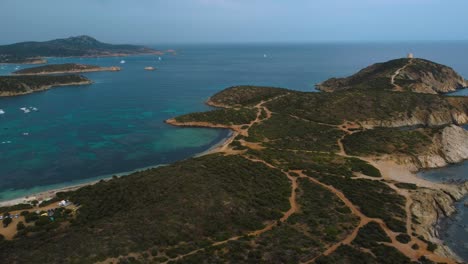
{"points": [[64, 68], [20, 85], [305, 178]]}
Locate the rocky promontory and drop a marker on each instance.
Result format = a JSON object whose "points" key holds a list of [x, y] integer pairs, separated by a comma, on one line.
{"points": [[20, 85], [64, 68], [415, 75]]}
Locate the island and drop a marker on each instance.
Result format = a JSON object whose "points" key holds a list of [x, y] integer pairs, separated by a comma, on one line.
{"points": [[64, 68], [305, 178], [20, 85], [80, 46]]}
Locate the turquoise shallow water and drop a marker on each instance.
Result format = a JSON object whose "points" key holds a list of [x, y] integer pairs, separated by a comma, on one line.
{"points": [[115, 125]]}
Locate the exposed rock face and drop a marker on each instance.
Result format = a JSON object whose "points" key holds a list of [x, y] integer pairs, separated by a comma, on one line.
{"points": [[429, 206], [425, 76], [449, 146], [422, 118]]}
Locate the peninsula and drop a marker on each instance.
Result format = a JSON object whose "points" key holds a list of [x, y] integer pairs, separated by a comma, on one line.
{"points": [[80, 46], [64, 68], [20, 85], [305, 178]]}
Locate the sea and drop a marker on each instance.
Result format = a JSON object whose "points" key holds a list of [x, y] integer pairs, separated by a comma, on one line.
{"points": [[77, 134]]}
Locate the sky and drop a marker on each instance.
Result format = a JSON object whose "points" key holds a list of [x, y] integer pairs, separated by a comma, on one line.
{"points": [[228, 21]]}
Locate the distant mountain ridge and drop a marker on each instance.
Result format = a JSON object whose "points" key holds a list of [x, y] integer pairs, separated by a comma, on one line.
{"points": [[80, 46]]}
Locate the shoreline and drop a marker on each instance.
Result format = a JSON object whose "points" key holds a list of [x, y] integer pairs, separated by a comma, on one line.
{"points": [[391, 170], [99, 69], [45, 88], [49, 194], [427, 200], [31, 62]]}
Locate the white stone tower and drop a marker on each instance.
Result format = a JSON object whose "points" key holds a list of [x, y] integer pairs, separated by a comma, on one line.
{"points": [[410, 56]]}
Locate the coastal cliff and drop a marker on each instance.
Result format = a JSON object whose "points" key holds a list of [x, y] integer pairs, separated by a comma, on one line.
{"points": [[429, 206], [449, 146], [435, 148]]}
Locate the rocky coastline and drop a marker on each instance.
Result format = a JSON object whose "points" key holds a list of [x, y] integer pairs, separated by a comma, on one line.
{"points": [[43, 88], [97, 69]]}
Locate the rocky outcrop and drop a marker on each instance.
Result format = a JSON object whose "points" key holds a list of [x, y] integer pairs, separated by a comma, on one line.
{"points": [[424, 76], [429, 206], [450, 146], [415, 75], [422, 118]]}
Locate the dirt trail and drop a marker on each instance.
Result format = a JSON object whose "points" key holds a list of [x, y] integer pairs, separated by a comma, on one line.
{"points": [[354, 210], [348, 128], [397, 72], [404, 248], [294, 207], [292, 199]]}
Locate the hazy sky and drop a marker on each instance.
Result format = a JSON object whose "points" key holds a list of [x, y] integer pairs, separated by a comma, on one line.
{"points": [[172, 21]]}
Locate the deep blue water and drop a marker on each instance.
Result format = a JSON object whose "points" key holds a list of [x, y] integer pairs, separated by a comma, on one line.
{"points": [[116, 124]]}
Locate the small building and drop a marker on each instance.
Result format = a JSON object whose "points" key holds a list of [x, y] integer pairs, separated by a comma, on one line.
{"points": [[410, 56]]}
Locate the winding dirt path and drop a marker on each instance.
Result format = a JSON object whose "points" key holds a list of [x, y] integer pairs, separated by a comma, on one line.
{"points": [[294, 207], [404, 248], [397, 72], [348, 128]]}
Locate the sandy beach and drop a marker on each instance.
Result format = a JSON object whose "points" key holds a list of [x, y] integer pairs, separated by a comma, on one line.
{"points": [[47, 195]]}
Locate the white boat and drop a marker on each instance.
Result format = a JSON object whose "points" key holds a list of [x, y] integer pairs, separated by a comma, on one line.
{"points": [[25, 110], [160, 59], [122, 62], [25, 134], [2, 112], [264, 56]]}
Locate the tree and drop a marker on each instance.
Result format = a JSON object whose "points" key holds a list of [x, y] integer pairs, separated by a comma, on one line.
{"points": [[20, 226], [6, 221]]}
